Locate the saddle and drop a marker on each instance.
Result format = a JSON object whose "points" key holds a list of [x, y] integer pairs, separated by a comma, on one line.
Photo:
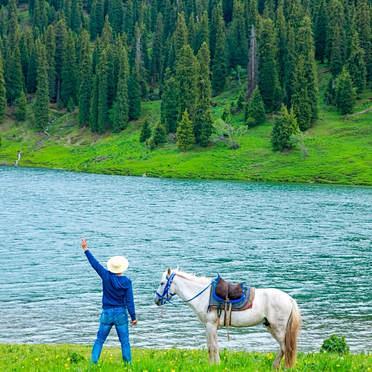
{"points": [[227, 297], [228, 291]]}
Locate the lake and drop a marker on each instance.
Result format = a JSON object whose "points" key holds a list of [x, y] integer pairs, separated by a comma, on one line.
{"points": [[312, 241]]}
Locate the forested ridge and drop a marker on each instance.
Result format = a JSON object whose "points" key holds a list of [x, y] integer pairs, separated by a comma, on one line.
{"points": [[104, 58]]}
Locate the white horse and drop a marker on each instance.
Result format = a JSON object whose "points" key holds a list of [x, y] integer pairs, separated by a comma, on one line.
{"points": [[275, 309]]}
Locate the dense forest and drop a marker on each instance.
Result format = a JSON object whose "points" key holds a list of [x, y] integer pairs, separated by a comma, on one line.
{"points": [[103, 58]]}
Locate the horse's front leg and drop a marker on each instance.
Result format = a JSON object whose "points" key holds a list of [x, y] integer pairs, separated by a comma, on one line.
{"points": [[212, 342]]}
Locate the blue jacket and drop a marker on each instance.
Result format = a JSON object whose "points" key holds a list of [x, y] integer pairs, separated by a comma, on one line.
{"points": [[117, 290]]}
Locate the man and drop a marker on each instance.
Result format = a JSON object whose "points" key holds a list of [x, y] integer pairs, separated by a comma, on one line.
{"points": [[117, 301]]}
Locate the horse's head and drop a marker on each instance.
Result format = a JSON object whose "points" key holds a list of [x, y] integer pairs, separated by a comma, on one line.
{"points": [[165, 291]]}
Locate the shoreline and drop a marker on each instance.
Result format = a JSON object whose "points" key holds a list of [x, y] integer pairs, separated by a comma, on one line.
{"points": [[197, 177]]}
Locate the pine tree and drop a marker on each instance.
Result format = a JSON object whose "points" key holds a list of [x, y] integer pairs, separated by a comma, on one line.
{"points": [[69, 71], [320, 29], [85, 80], [301, 103], [41, 108], [115, 15], [13, 67], [61, 40], [356, 64], [145, 132], [40, 17], [181, 35], [93, 109], [50, 44], [238, 39], [202, 35], [268, 79], [121, 107], [219, 61], [158, 136], [345, 93], [186, 75], [20, 109], [310, 80], [185, 133], [169, 103], [364, 28], [134, 96], [285, 126], [76, 15], [335, 36], [97, 18], [203, 121], [2, 90], [255, 113], [102, 85], [157, 61]]}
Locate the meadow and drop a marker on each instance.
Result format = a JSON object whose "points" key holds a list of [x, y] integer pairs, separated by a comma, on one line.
{"points": [[76, 358]]}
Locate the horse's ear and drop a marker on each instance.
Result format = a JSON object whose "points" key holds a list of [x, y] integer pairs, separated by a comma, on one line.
{"points": [[169, 271]]}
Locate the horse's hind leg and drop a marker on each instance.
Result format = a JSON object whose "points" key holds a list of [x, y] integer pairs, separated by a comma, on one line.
{"points": [[278, 332]]}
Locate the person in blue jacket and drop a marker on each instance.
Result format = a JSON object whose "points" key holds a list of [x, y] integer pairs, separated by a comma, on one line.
{"points": [[117, 302]]}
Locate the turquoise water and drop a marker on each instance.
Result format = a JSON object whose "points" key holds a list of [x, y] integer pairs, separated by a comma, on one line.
{"points": [[312, 241]]}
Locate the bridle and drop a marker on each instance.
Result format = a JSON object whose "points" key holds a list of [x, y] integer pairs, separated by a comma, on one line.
{"points": [[167, 296]]}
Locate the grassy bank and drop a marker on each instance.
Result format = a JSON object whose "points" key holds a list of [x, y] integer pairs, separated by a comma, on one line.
{"points": [[76, 358], [335, 150]]}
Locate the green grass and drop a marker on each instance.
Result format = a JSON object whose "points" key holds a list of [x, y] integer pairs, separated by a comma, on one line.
{"points": [[336, 150], [76, 358]]}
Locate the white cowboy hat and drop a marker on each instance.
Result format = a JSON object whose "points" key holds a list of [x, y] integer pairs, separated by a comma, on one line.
{"points": [[117, 264]]}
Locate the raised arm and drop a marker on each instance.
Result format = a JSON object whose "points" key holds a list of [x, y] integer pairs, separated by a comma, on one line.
{"points": [[130, 303], [101, 271]]}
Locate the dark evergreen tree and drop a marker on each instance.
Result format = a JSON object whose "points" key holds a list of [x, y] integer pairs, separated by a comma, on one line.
{"points": [[268, 79], [170, 104], [102, 92], [61, 41], [41, 104], [121, 107], [345, 92], [69, 71], [219, 68], [255, 112], [2, 90], [50, 44], [185, 132], [320, 34], [285, 127], [85, 80], [157, 61], [97, 18], [134, 96], [203, 121], [238, 39], [186, 75], [145, 132], [158, 136], [20, 107], [356, 64]]}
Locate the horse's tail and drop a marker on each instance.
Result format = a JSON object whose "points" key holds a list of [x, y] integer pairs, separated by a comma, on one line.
{"points": [[291, 334]]}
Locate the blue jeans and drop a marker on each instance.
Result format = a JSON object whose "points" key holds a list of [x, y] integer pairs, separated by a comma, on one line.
{"points": [[117, 317]]}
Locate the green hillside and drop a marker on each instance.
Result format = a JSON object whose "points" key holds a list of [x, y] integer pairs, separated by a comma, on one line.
{"points": [[335, 150]]}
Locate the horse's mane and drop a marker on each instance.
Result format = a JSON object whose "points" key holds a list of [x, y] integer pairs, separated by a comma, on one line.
{"points": [[193, 277]]}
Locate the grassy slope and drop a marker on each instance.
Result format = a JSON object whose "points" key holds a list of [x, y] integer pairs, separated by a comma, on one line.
{"points": [[76, 358], [337, 150]]}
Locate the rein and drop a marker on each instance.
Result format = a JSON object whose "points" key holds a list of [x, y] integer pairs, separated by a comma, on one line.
{"points": [[167, 296]]}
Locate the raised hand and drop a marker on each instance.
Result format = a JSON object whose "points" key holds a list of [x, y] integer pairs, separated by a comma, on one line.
{"points": [[84, 245]]}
